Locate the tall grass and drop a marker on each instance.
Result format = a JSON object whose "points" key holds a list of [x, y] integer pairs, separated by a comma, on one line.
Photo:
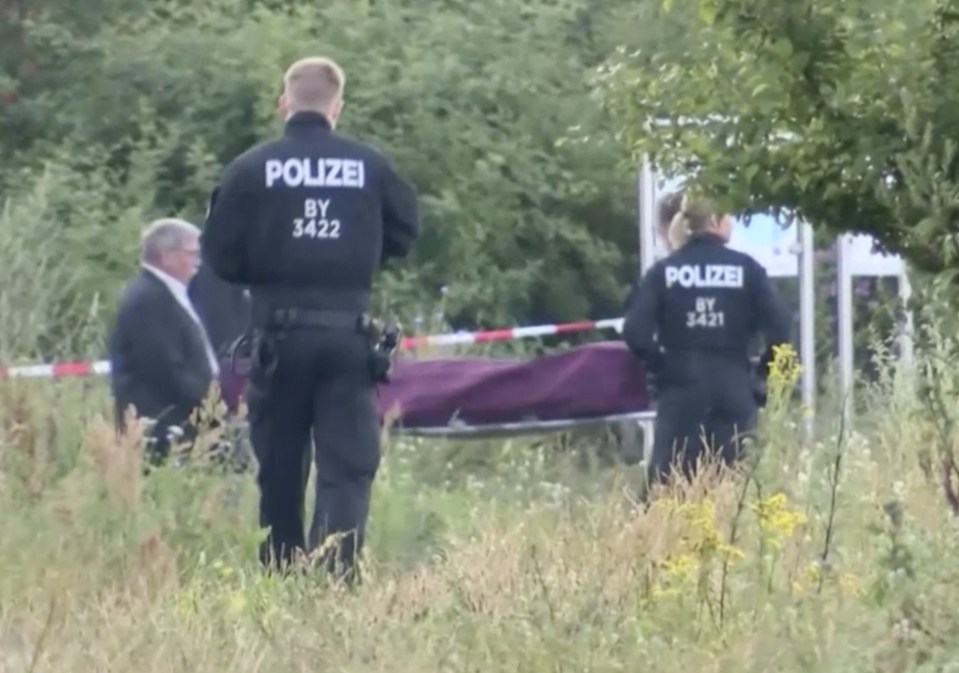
{"points": [[832, 556], [521, 555]]}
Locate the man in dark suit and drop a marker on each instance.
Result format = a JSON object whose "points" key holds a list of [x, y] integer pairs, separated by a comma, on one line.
{"points": [[223, 308], [161, 359]]}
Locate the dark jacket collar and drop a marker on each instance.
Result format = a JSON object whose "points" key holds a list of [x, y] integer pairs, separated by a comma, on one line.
{"points": [[149, 277], [308, 120], [705, 238]]}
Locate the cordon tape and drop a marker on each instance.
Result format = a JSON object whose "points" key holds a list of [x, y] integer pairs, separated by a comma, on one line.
{"points": [[101, 367]]}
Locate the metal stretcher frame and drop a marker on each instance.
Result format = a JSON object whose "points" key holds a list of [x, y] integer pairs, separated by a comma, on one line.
{"points": [[645, 419]]}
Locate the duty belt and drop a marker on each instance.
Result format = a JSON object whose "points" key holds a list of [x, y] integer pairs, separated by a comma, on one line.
{"points": [[306, 317]]}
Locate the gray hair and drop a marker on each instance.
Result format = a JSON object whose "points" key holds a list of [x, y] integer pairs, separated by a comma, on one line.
{"points": [[164, 235]]}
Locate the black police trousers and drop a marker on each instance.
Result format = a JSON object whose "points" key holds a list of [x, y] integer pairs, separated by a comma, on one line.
{"points": [[320, 385], [706, 411]]}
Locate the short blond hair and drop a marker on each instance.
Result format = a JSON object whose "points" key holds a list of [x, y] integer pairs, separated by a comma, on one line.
{"points": [[313, 83]]}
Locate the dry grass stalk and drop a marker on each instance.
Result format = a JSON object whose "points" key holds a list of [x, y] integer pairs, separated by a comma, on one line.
{"points": [[118, 457]]}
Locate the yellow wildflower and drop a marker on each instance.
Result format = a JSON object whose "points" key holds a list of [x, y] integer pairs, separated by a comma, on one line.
{"points": [[186, 602], [777, 521], [705, 537], [784, 368], [679, 574], [681, 568], [849, 584], [784, 372], [237, 603]]}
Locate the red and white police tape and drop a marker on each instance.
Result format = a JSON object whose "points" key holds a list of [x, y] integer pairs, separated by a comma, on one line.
{"points": [[66, 369]]}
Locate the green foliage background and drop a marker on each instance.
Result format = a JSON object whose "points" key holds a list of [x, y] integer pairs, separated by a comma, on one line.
{"points": [[115, 112], [125, 111], [842, 113]]}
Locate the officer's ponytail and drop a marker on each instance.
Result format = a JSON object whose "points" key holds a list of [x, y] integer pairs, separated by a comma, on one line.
{"points": [[695, 216], [678, 232], [670, 205]]}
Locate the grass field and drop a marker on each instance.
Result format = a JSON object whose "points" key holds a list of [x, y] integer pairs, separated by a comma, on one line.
{"points": [[486, 557]]}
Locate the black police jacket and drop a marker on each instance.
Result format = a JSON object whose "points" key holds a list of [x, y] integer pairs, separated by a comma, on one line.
{"points": [[306, 219], [704, 298]]}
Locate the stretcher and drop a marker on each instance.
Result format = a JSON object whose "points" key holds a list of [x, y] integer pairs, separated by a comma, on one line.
{"points": [[477, 397]]}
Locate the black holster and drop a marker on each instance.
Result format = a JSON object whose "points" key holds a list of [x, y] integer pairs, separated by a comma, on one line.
{"points": [[263, 355], [383, 343]]}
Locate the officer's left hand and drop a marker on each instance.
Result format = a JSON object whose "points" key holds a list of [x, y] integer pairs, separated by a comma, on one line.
{"points": [[654, 365], [652, 385], [760, 393]]}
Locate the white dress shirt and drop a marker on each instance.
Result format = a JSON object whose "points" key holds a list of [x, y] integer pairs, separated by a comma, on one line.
{"points": [[179, 292]]}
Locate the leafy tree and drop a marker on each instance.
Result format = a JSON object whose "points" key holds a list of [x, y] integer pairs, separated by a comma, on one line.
{"points": [[134, 106], [842, 113]]}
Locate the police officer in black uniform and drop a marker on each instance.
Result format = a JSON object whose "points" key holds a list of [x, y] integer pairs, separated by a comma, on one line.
{"points": [[304, 221], [690, 320]]}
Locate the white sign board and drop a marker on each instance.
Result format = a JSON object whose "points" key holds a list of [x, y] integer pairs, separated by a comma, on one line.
{"points": [[862, 261], [777, 249], [773, 246]]}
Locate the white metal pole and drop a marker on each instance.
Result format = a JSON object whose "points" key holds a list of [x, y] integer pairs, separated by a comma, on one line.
{"points": [[647, 215], [646, 194], [907, 334], [845, 326], [807, 322]]}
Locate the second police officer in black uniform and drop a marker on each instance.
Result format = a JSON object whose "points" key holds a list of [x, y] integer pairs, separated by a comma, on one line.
{"points": [[691, 319], [304, 221]]}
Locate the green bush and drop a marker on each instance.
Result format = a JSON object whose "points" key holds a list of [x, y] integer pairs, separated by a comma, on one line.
{"points": [[136, 113]]}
